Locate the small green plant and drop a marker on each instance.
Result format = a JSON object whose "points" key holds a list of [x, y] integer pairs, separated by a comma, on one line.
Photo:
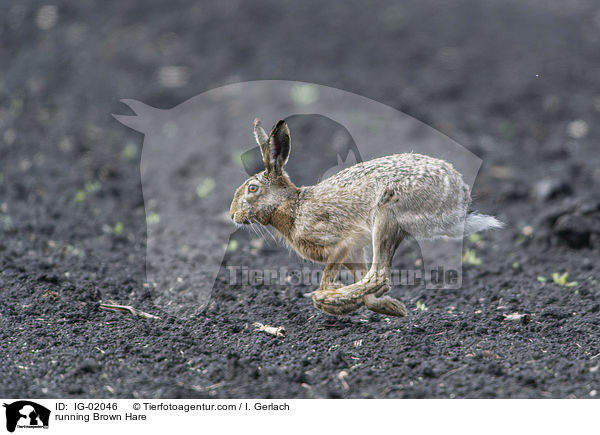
{"points": [[205, 187], [236, 157], [232, 245], [506, 128], [304, 94], [80, 196], [89, 188], [92, 187], [470, 257], [541, 279], [421, 306], [515, 265], [72, 250], [119, 228], [153, 218], [561, 280], [129, 152], [474, 238]]}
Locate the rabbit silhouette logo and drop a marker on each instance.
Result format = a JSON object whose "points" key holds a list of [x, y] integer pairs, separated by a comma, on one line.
{"points": [[25, 414], [193, 158]]}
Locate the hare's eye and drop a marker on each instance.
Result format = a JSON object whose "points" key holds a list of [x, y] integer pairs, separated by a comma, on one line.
{"points": [[252, 188]]}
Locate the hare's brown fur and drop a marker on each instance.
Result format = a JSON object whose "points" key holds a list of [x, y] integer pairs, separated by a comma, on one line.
{"points": [[380, 201]]}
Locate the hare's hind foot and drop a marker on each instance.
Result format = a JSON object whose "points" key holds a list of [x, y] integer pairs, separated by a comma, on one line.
{"points": [[333, 301], [370, 289], [344, 300], [385, 305]]}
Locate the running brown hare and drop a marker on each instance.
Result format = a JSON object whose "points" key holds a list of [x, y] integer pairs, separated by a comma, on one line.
{"points": [[380, 201]]}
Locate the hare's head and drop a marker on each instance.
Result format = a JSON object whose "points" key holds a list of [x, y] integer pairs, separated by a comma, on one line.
{"points": [[259, 196]]}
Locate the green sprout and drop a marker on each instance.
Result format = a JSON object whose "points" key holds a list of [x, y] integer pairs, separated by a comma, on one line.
{"points": [[236, 157], [129, 151], [304, 94], [153, 218], [72, 250], [506, 128], [541, 279], [470, 257], [119, 228], [80, 196], [515, 265], [89, 188], [561, 280], [92, 187], [232, 245], [205, 187], [421, 306], [474, 238]]}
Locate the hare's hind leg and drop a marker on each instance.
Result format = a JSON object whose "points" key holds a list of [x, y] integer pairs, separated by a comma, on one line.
{"points": [[385, 305], [387, 235], [386, 238]]}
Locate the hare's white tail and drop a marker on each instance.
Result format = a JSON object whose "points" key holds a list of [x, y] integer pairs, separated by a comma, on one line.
{"points": [[460, 228], [479, 222]]}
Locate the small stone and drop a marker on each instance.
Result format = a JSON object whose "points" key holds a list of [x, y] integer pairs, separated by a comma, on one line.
{"points": [[46, 17], [489, 354], [577, 129], [527, 230], [257, 243], [523, 318], [173, 76], [9, 136], [501, 172]]}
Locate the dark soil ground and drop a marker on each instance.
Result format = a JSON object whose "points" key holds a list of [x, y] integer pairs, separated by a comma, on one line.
{"points": [[516, 82]]}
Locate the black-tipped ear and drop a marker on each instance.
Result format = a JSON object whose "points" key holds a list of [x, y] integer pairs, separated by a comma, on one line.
{"points": [[280, 142]]}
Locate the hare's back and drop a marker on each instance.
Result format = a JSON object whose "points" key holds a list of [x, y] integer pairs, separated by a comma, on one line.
{"points": [[418, 187], [427, 195], [403, 171]]}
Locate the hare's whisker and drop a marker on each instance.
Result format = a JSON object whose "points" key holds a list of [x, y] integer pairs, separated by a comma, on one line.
{"points": [[256, 230], [264, 232], [270, 234]]}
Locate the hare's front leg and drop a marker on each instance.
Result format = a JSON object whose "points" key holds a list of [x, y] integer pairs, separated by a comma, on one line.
{"points": [[387, 235], [335, 258], [357, 264], [328, 288]]}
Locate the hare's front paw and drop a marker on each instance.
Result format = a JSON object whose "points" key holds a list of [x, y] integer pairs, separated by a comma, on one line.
{"points": [[337, 301]]}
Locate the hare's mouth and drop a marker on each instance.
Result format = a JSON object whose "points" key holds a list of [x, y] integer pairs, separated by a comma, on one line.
{"points": [[242, 220]]}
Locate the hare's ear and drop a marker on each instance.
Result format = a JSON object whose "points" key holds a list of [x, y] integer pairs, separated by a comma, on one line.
{"points": [[280, 143], [263, 141]]}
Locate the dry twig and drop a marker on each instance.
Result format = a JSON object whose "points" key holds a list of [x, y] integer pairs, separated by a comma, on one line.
{"points": [[128, 310]]}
